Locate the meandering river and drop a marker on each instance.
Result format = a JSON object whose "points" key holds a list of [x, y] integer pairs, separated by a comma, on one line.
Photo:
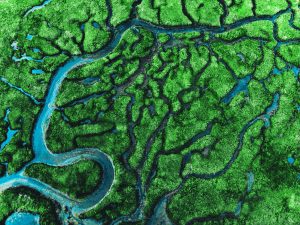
{"points": [[44, 155]]}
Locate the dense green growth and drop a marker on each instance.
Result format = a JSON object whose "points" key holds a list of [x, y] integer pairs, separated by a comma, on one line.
{"points": [[72, 180], [27, 200], [197, 104]]}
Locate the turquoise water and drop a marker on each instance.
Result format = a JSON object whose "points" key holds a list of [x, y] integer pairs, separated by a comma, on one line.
{"points": [[250, 182], [238, 208], [271, 110], [20, 90], [9, 136], [90, 80], [291, 160], [46, 2], [29, 37], [10, 132], [22, 218], [14, 45], [276, 71], [44, 155], [25, 57], [96, 25], [242, 86], [36, 50], [37, 71]]}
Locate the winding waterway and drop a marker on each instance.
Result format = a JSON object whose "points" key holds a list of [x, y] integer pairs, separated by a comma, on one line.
{"points": [[44, 155]]}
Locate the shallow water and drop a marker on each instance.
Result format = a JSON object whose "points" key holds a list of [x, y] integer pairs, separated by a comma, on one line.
{"points": [[22, 218]]}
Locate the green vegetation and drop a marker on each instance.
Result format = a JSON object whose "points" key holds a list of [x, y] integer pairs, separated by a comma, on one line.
{"points": [[205, 12], [269, 7], [242, 57], [289, 54], [27, 200], [120, 11], [198, 104], [72, 180]]}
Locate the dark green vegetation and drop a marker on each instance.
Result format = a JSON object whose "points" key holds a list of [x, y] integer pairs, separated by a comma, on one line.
{"points": [[67, 178], [23, 199], [166, 107]]}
